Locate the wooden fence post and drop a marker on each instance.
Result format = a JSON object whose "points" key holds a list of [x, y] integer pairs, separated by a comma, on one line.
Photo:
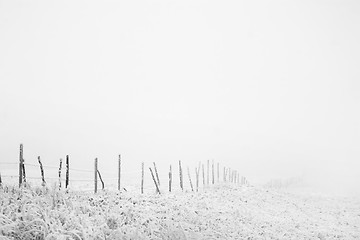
{"points": [[60, 173], [96, 174], [197, 178], [208, 172], [156, 185], [170, 178], [142, 177], [102, 182], [191, 185], [24, 172], [156, 173], [224, 175], [213, 172], [203, 173], [42, 172], [21, 165], [67, 172], [181, 177], [0, 180], [119, 171]]}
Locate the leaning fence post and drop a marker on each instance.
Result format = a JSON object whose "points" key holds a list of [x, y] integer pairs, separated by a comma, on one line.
{"points": [[119, 172], [20, 165], [156, 185], [96, 174], [67, 172], [60, 173], [191, 185], [42, 172], [156, 173], [181, 177], [102, 182]]}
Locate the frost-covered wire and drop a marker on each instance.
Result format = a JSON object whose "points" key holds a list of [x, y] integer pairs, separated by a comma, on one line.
{"points": [[81, 170], [8, 163]]}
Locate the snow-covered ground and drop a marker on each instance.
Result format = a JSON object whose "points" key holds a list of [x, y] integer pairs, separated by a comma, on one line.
{"points": [[219, 212]]}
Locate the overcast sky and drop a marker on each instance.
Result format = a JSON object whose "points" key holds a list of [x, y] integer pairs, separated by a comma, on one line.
{"points": [[271, 88]]}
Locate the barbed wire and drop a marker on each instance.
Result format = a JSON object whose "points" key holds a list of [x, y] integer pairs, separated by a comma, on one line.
{"points": [[8, 163], [57, 167]]}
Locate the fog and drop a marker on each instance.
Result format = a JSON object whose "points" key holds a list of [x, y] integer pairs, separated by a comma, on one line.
{"points": [[270, 88]]}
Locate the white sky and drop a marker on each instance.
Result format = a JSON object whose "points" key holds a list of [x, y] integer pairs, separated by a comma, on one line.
{"points": [[271, 88]]}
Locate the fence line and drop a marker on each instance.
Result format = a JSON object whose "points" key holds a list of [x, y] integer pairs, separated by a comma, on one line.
{"points": [[230, 176]]}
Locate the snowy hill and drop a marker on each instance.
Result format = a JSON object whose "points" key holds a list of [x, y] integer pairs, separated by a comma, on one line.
{"points": [[220, 212]]}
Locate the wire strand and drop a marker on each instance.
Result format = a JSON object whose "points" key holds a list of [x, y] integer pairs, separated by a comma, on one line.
{"points": [[8, 163]]}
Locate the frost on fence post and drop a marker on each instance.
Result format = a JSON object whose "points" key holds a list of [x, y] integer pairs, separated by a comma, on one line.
{"points": [[142, 177], [203, 174], [21, 165], [42, 172], [156, 173], [156, 185], [102, 182], [95, 174], [224, 175], [208, 172], [191, 185], [181, 177], [60, 173], [119, 172], [67, 172], [197, 178], [170, 178], [24, 172], [213, 172]]}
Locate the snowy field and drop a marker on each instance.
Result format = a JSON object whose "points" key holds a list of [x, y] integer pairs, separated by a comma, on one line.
{"points": [[220, 212]]}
